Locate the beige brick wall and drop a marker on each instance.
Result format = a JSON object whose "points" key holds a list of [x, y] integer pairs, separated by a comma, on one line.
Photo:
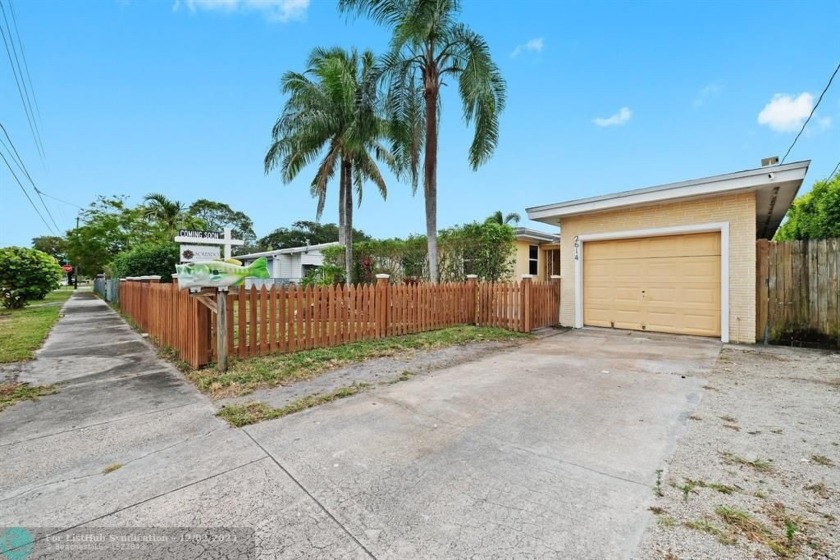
{"points": [[738, 210]]}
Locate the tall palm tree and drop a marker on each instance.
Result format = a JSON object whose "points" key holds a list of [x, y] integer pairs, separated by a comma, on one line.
{"points": [[428, 46], [168, 213], [501, 219], [332, 110]]}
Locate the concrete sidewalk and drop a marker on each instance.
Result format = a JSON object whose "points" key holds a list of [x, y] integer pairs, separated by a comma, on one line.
{"points": [[118, 404], [547, 450]]}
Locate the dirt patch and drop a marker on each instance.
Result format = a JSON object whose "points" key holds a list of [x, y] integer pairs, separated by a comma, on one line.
{"points": [[377, 371], [770, 489]]}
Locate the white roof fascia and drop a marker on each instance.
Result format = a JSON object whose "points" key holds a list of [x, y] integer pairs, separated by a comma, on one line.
{"points": [[752, 179]]}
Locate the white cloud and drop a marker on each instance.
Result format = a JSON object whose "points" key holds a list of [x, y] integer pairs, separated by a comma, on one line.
{"points": [[824, 123], [534, 45], [786, 113], [273, 10], [707, 93], [617, 119]]}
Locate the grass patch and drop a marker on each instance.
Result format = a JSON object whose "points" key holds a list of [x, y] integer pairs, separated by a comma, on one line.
{"points": [[822, 460], [239, 415], [759, 465], [111, 468], [22, 331], [245, 376], [11, 393]]}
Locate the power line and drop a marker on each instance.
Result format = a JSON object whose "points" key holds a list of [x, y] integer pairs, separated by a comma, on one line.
{"points": [[23, 55], [27, 194], [44, 204], [836, 167], [62, 201], [817, 104], [22, 90], [19, 162]]}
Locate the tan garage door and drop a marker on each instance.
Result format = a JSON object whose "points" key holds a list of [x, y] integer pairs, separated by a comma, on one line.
{"points": [[665, 284]]}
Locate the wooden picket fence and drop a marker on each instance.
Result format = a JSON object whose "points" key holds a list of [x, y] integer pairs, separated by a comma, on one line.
{"points": [[173, 318], [798, 292], [288, 318]]}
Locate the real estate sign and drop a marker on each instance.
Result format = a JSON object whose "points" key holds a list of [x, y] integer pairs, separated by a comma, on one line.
{"points": [[200, 253]]}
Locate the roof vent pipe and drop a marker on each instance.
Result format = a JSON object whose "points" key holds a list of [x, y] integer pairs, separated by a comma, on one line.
{"points": [[770, 161]]}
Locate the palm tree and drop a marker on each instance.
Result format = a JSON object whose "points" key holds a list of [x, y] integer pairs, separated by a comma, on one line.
{"points": [[429, 45], [168, 213], [498, 218], [332, 110]]}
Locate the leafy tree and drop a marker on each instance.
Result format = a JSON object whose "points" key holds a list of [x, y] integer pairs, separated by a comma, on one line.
{"points": [[429, 45], [215, 216], [51, 245], [485, 249], [498, 218], [109, 226], [814, 215], [302, 232], [332, 110], [147, 259], [26, 275]]}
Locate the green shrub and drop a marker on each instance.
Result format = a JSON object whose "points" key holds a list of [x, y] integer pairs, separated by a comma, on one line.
{"points": [[26, 275], [485, 249], [147, 260]]}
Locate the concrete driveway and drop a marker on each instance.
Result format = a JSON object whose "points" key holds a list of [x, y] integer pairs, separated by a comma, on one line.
{"points": [[548, 450]]}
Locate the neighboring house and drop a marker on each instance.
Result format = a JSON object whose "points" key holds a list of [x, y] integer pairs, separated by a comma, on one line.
{"points": [[287, 265], [537, 254], [677, 258]]}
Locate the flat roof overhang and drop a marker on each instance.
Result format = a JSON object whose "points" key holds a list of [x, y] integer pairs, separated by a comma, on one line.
{"points": [[775, 188]]}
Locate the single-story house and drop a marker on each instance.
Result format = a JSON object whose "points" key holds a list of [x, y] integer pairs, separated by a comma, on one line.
{"points": [[537, 254], [676, 258], [288, 265]]}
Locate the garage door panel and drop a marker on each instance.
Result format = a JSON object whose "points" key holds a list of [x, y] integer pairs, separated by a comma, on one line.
{"points": [[665, 284]]}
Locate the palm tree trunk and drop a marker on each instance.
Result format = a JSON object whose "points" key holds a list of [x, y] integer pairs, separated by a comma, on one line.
{"points": [[430, 180], [347, 171], [341, 195]]}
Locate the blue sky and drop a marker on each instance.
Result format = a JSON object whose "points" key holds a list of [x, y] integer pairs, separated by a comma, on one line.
{"points": [[179, 97]]}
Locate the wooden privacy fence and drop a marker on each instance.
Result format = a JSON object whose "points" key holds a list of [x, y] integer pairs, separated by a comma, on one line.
{"points": [[798, 292], [288, 318]]}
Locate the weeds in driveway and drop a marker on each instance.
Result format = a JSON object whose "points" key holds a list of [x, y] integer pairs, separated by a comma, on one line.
{"points": [[820, 489], [239, 415], [11, 393], [245, 376], [706, 526], [760, 465], [722, 488], [658, 488], [111, 468], [822, 460], [785, 545]]}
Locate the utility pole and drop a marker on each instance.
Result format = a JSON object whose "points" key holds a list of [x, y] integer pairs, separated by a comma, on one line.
{"points": [[76, 265]]}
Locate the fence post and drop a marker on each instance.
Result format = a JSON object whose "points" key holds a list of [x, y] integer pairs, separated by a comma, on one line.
{"points": [[383, 304], [221, 329], [472, 298], [556, 285], [527, 302]]}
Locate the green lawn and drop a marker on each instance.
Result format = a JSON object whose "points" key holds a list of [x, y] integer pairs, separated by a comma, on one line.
{"points": [[243, 376], [22, 331]]}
